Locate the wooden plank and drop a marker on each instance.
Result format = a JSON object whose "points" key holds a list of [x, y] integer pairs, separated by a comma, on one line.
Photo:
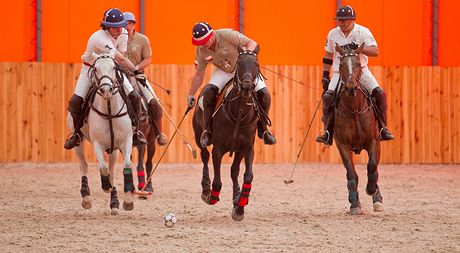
{"points": [[4, 74]]}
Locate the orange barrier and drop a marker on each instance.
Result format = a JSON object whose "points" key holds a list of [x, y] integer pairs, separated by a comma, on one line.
{"points": [[290, 33], [424, 109]]}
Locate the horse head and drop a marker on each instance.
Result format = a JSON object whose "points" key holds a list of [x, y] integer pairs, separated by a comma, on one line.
{"points": [[350, 68], [247, 70], [104, 72]]}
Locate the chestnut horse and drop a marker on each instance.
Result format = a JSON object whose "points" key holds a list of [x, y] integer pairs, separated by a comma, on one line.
{"points": [[356, 128], [234, 124]]}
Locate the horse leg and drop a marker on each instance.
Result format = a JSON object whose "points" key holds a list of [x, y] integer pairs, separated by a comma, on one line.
{"points": [[149, 164], [205, 180], [213, 198], [352, 179], [103, 170], [126, 149], [372, 187], [235, 171], [238, 208], [140, 167], [84, 190], [114, 204]]}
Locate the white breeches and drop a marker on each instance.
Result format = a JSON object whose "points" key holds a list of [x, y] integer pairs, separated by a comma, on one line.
{"points": [[367, 80], [220, 78]]}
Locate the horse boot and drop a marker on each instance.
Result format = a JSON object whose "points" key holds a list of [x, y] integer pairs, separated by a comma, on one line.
{"points": [[157, 113], [138, 136], [325, 136], [76, 110], [381, 101], [264, 99], [210, 93]]}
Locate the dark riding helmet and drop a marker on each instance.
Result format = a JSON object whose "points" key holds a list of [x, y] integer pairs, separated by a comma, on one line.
{"points": [[113, 18], [201, 33], [345, 12]]}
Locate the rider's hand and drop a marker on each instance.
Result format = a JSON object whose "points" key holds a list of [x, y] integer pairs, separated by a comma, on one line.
{"points": [[140, 77], [191, 101], [325, 80]]}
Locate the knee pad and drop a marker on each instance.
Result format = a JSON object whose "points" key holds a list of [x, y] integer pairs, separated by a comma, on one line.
{"points": [[135, 95], [327, 97], [210, 93], [377, 91], [156, 109], [75, 104], [263, 96]]}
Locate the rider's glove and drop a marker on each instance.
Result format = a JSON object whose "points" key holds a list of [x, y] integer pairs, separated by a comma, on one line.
{"points": [[140, 77], [191, 101]]}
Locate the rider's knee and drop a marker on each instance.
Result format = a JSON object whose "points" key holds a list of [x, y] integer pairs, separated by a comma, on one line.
{"points": [[134, 94], [210, 93], [157, 112], [377, 90], [327, 96], [75, 104], [264, 98]]}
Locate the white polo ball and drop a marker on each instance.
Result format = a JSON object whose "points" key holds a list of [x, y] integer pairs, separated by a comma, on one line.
{"points": [[169, 219]]}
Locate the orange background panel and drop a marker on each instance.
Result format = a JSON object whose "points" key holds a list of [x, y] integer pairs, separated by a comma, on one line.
{"points": [[449, 33], [169, 26], [406, 33], [292, 32], [18, 38], [67, 25]]}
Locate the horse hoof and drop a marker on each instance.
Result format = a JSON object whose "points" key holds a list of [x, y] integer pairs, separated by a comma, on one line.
{"points": [[237, 217], [86, 202], [206, 198], [114, 211], [378, 207], [355, 211], [128, 206], [143, 197]]}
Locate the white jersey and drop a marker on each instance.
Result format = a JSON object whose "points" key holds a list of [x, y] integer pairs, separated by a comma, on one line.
{"points": [[358, 35], [102, 42]]}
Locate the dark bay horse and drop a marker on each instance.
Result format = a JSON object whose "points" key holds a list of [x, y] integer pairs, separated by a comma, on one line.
{"points": [[148, 129], [235, 125], [356, 128]]}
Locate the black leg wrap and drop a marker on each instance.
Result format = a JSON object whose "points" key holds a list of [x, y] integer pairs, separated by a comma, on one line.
{"points": [[128, 180], [105, 183], [371, 187], [114, 203], [353, 196], [84, 191]]}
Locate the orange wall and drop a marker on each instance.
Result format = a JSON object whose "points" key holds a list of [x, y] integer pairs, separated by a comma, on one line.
{"points": [[169, 26], [449, 33], [17, 42], [67, 25], [290, 33]]}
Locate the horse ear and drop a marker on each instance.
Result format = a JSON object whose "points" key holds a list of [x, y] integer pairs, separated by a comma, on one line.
{"points": [[360, 48], [339, 49], [95, 55], [240, 49], [256, 51]]}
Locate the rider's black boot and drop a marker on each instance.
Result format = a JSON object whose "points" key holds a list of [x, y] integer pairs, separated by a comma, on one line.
{"points": [[325, 136], [210, 93], [381, 101], [76, 110], [264, 99], [138, 136]]}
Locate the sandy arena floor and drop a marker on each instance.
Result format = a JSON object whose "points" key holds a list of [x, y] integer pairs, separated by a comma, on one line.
{"points": [[40, 211]]}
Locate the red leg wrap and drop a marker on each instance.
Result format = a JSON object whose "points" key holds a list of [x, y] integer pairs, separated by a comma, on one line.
{"points": [[244, 197], [140, 173], [214, 197]]}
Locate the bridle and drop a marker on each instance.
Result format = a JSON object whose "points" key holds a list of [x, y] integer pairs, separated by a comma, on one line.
{"points": [[114, 85]]}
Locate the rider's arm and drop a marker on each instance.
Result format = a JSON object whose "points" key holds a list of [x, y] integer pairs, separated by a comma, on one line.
{"points": [[144, 63], [125, 62], [370, 50], [251, 45], [197, 80]]}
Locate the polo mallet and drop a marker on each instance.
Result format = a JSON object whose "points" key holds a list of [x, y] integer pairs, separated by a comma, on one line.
{"points": [[142, 191], [192, 149], [159, 86], [290, 180]]}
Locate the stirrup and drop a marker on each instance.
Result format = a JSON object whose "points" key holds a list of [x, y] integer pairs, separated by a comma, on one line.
{"points": [[325, 138], [205, 138], [162, 139], [388, 135], [270, 139], [73, 140]]}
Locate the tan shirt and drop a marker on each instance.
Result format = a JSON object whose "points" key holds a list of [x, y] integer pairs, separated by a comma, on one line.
{"points": [[226, 52], [138, 48]]}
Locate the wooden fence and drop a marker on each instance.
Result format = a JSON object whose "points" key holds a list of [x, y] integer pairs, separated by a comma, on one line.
{"points": [[424, 109]]}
